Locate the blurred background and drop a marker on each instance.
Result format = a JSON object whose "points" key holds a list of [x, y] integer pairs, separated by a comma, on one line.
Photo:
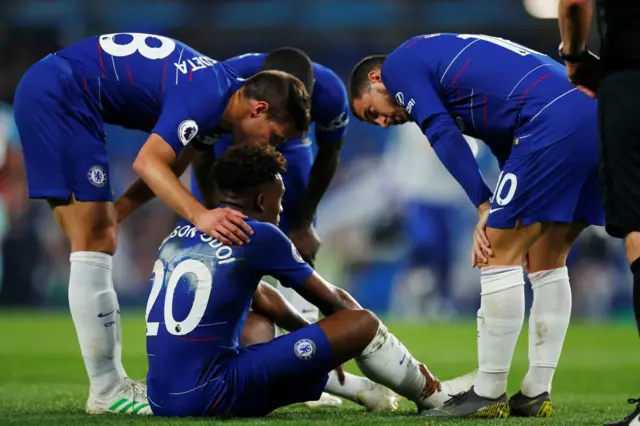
{"points": [[396, 228]]}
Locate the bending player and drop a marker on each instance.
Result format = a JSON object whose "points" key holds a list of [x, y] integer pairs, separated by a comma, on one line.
{"points": [[200, 298], [544, 134], [306, 178], [150, 83]]}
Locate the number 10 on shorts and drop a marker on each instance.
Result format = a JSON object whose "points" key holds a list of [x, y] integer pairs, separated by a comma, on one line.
{"points": [[505, 179]]}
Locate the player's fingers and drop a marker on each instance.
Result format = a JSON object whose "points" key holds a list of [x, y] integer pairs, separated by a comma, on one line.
{"points": [[235, 230], [218, 236], [341, 375], [230, 236], [241, 223], [236, 213], [480, 257], [590, 93]]}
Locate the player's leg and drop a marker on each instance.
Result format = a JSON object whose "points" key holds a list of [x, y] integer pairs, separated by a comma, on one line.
{"points": [[374, 397], [548, 319], [535, 190], [293, 368], [66, 163], [619, 164]]}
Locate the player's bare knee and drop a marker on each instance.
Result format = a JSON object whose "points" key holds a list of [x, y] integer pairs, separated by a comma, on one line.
{"points": [[368, 321], [509, 246]]}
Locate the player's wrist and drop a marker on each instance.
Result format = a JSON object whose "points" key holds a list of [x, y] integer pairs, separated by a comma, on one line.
{"points": [[484, 206], [573, 54]]}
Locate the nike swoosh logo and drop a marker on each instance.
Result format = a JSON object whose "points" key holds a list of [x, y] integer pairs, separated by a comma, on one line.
{"points": [[402, 360], [101, 315], [495, 210]]}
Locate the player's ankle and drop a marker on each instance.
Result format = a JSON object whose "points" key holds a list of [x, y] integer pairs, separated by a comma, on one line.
{"points": [[490, 385]]}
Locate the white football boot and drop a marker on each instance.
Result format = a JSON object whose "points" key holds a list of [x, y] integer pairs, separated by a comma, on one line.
{"points": [[379, 398], [129, 398], [326, 401]]}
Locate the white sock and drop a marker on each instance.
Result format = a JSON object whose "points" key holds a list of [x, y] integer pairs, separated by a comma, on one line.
{"points": [[94, 305], [308, 311], [500, 319], [548, 324], [386, 361], [353, 385]]}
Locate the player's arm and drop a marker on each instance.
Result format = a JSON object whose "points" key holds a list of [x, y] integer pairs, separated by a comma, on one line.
{"points": [[574, 17], [269, 302], [139, 192], [202, 171], [154, 165], [322, 173], [331, 126], [276, 255], [407, 73]]}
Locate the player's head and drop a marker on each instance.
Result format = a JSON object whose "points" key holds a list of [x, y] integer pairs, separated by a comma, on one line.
{"points": [[249, 177], [275, 106], [369, 99], [293, 61]]}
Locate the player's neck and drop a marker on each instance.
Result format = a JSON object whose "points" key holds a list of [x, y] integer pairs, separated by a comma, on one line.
{"points": [[233, 111], [239, 205]]}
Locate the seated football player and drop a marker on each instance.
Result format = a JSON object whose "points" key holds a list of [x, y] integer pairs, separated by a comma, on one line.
{"points": [[201, 295]]}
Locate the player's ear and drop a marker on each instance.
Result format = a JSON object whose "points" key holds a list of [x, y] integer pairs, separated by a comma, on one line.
{"points": [[260, 202], [374, 75], [259, 107]]}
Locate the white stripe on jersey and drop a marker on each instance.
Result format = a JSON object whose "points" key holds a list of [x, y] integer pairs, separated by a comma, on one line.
{"points": [[545, 107], [473, 121], [179, 60], [525, 76], [196, 388], [456, 57], [114, 68]]}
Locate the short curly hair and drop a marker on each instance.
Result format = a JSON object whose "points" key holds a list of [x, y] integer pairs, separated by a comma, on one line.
{"points": [[244, 167]]}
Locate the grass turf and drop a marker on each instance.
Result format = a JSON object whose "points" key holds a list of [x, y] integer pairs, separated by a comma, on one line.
{"points": [[43, 380]]}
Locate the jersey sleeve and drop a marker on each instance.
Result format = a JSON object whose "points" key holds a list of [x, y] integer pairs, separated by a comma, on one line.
{"points": [[193, 107], [274, 254], [330, 109], [414, 85]]}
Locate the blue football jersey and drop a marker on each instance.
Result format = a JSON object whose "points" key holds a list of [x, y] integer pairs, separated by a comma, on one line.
{"points": [[494, 89], [153, 83], [329, 107], [513, 98], [200, 296]]}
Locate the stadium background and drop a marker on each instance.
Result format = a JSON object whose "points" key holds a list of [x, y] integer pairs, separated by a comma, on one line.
{"points": [[396, 229]]}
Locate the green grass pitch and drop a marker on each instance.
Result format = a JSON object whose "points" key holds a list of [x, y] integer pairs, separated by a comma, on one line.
{"points": [[43, 381]]}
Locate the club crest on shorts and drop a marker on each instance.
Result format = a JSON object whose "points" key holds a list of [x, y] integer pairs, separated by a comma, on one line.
{"points": [[97, 176], [304, 349], [187, 130], [296, 254]]}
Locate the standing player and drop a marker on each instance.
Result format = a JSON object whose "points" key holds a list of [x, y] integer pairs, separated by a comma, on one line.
{"points": [[144, 82], [543, 133], [200, 297], [615, 80], [306, 179]]}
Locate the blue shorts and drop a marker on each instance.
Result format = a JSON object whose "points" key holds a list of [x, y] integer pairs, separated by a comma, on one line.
{"points": [[558, 183], [62, 134], [258, 379], [299, 158]]}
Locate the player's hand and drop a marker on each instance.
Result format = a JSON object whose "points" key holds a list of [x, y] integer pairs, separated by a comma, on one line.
{"points": [[225, 225], [481, 251], [586, 75], [340, 374], [307, 242]]}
